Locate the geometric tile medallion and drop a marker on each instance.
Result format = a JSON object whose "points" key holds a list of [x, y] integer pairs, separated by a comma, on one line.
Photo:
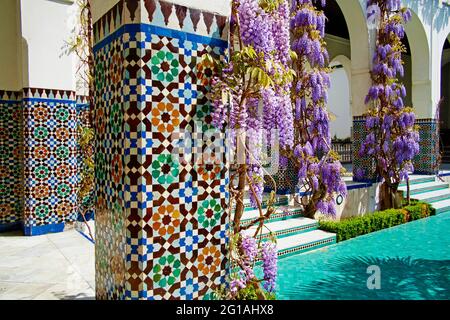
{"points": [[160, 213]]}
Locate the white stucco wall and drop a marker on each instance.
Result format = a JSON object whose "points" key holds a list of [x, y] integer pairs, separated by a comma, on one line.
{"points": [[339, 103], [10, 61], [45, 29]]}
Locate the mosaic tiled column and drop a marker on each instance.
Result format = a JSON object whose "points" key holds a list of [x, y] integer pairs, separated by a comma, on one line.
{"points": [[50, 160], [11, 165], [160, 222], [363, 167], [426, 161]]}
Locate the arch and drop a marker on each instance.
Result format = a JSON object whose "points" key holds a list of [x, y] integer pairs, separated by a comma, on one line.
{"points": [[346, 63], [340, 103], [355, 16], [421, 75], [445, 58], [445, 92]]}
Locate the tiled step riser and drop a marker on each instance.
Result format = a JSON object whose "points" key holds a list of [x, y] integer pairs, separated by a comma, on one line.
{"points": [[442, 210], [424, 190], [307, 247], [303, 249], [276, 217], [437, 198], [289, 232], [418, 181], [248, 206]]}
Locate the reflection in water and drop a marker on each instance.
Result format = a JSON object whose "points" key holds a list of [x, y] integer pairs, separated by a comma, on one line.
{"points": [[414, 260], [401, 278]]}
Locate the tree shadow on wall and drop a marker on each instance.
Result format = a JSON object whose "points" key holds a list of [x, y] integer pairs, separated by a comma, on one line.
{"points": [[401, 278], [427, 8]]}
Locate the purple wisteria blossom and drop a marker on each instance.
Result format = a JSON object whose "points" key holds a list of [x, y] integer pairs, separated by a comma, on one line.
{"points": [[269, 259], [392, 139], [319, 170]]}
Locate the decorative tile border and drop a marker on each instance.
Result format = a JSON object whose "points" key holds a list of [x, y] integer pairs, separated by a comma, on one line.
{"points": [[161, 14], [290, 231], [316, 245]]}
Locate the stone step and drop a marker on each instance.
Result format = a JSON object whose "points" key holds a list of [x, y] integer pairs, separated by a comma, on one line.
{"points": [[433, 196], [417, 179], [281, 213], [280, 201], [304, 242], [425, 187], [442, 206], [284, 228]]}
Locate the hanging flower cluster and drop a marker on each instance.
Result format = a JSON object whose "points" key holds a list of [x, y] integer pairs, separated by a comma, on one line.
{"points": [[319, 169], [262, 104], [251, 252], [251, 101], [392, 139]]}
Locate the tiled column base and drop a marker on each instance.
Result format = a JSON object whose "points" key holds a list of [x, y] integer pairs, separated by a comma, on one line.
{"points": [[425, 161], [50, 160], [363, 167], [11, 166]]}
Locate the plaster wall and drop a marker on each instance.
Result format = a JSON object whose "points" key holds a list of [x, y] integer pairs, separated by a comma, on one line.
{"points": [[10, 62], [45, 29]]}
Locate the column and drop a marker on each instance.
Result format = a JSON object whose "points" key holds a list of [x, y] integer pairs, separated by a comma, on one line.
{"points": [[11, 190], [49, 118], [11, 167], [160, 220]]}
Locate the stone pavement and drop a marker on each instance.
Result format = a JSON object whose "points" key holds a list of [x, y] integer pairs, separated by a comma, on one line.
{"points": [[47, 267]]}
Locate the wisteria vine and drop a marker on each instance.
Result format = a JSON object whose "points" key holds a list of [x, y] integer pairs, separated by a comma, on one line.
{"points": [[251, 101], [319, 169], [392, 139]]}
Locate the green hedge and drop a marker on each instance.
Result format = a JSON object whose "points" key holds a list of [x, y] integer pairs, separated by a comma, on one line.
{"points": [[357, 226]]}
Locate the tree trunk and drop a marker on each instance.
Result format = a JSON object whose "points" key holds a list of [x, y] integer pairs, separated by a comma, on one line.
{"points": [[386, 197], [240, 199], [310, 210]]}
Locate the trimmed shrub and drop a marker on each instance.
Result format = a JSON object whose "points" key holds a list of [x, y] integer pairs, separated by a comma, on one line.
{"points": [[379, 220]]}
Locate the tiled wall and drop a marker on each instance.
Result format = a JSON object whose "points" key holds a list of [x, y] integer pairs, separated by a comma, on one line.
{"points": [[363, 167], [160, 221], [11, 167], [286, 180], [50, 160], [425, 161]]}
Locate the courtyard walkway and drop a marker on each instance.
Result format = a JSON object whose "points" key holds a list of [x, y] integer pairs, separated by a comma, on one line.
{"points": [[49, 267]]}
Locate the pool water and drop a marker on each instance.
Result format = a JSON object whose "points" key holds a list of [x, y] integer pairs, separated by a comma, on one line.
{"points": [[413, 260]]}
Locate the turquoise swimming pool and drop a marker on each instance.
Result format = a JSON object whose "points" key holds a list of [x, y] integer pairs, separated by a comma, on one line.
{"points": [[414, 260]]}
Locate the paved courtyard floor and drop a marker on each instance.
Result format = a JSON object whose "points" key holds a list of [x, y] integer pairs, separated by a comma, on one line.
{"points": [[48, 267]]}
